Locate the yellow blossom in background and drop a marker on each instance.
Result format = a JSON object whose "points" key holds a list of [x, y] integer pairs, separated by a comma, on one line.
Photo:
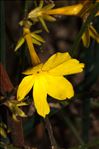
{"points": [[81, 9], [27, 35], [30, 38], [67, 10], [90, 31], [48, 79], [41, 13]]}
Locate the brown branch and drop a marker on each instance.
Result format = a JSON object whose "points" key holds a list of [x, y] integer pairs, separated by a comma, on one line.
{"points": [[5, 83], [16, 127]]}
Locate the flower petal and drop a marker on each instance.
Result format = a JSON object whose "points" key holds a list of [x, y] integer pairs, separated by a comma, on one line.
{"points": [[25, 86], [33, 70], [55, 60], [59, 87], [67, 10], [72, 66], [34, 57], [93, 33], [49, 18], [40, 96]]}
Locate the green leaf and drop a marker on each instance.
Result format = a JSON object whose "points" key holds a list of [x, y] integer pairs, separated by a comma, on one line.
{"points": [[41, 3], [3, 125], [19, 112], [36, 42], [37, 37], [43, 24], [93, 33], [67, 121], [19, 43], [38, 31], [2, 132], [22, 104], [16, 111], [86, 38], [50, 6]]}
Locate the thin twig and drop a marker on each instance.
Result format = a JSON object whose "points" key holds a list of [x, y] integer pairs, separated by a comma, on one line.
{"points": [[50, 133], [26, 10]]}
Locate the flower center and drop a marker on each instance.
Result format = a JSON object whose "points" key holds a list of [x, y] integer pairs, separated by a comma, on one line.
{"points": [[38, 71]]}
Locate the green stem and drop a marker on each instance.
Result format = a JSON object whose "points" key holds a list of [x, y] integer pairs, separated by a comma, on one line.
{"points": [[70, 125], [26, 9], [50, 133], [85, 119], [83, 29], [2, 34]]}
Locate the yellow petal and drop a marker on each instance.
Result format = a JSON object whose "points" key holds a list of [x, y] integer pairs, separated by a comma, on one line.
{"points": [[71, 66], [55, 60], [59, 87], [86, 38], [67, 10], [34, 57], [34, 14], [49, 18], [93, 33], [25, 86], [40, 97], [33, 70]]}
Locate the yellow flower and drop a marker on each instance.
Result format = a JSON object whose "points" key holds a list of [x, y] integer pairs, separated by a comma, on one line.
{"points": [[90, 31], [82, 9], [48, 79], [67, 10], [27, 35], [41, 13]]}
